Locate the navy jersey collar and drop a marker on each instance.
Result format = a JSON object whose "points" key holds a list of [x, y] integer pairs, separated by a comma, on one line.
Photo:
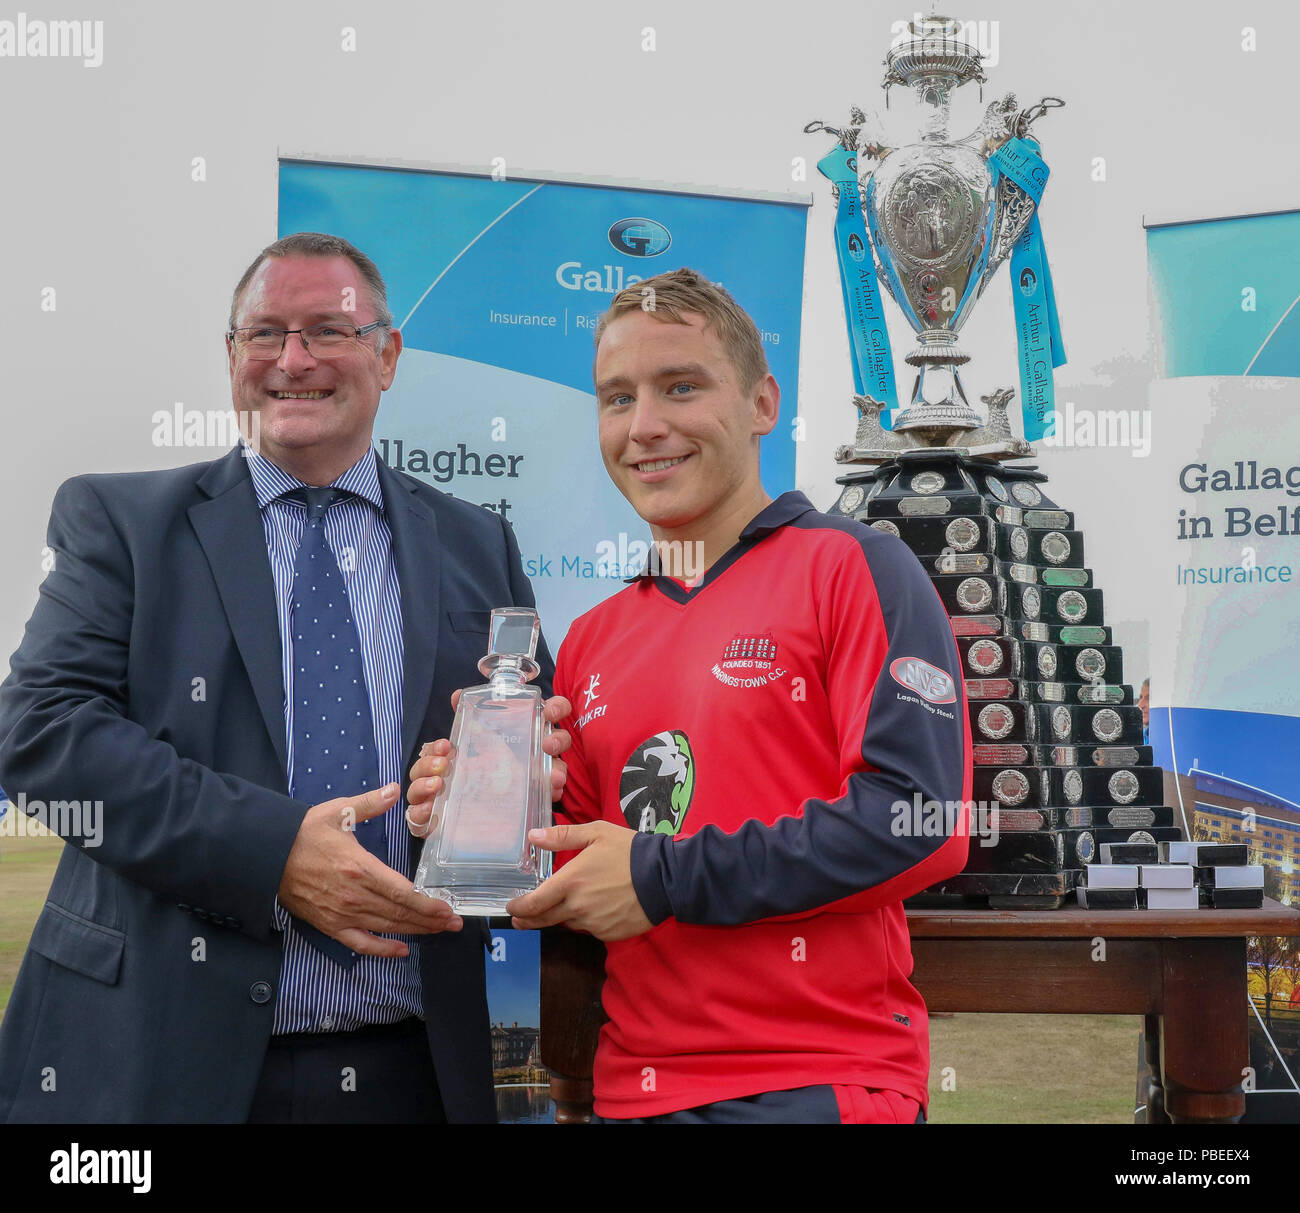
{"points": [[781, 512]]}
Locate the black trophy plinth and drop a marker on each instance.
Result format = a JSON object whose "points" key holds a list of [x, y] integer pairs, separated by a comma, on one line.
{"points": [[1057, 734]]}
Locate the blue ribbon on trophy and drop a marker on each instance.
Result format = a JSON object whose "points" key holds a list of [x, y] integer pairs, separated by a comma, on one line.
{"points": [[1038, 330], [873, 360]]}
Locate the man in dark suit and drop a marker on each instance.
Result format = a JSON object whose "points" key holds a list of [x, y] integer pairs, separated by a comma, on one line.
{"points": [[230, 666]]}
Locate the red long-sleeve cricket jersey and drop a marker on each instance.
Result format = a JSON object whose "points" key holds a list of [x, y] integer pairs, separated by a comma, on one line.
{"points": [[767, 732]]}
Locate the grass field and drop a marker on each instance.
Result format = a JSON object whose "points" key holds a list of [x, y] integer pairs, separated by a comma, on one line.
{"points": [[26, 869], [1005, 1069], [1034, 1069]]}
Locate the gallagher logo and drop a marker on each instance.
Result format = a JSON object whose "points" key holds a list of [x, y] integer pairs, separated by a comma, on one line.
{"points": [[640, 237], [928, 681]]}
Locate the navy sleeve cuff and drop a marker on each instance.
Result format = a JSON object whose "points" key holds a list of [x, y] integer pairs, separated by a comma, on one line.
{"points": [[648, 859]]}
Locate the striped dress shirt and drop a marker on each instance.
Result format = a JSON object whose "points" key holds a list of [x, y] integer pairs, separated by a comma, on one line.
{"points": [[317, 995]]}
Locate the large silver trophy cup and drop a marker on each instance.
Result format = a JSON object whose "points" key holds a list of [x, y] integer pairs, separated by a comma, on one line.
{"points": [[1058, 752], [942, 218]]}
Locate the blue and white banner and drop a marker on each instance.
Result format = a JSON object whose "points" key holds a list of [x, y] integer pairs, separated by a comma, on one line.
{"points": [[1227, 295], [497, 287], [1223, 483]]}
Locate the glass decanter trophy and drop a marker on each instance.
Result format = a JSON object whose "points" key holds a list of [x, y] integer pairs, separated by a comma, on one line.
{"points": [[477, 856]]}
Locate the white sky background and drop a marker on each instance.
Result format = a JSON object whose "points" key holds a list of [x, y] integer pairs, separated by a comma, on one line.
{"points": [[97, 198]]}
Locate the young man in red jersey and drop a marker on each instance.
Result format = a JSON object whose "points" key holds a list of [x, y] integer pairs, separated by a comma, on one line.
{"points": [[748, 742]]}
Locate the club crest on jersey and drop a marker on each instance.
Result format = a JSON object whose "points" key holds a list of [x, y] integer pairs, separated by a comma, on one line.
{"points": [[928, 681], [749, 661], [657, 783]]}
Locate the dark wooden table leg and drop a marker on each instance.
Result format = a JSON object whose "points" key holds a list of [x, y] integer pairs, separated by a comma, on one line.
{"points": [[1203, 1032], [1154, 1095], [573, 971], [572, 1098]]}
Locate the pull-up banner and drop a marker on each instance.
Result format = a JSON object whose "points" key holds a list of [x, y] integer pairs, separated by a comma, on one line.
{"points": [[1223, 484]]}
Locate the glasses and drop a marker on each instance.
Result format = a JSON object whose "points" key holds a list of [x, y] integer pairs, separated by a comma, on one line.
{"points": [[264, 343]]}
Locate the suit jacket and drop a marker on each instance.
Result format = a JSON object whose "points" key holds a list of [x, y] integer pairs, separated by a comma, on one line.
{"points": [[160, 580]]}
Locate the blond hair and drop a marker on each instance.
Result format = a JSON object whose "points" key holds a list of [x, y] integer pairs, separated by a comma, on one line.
{"points": [[681, 291]]}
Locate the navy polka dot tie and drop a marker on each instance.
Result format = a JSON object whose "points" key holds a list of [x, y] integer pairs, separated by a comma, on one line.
{"points": [[334, 750]]}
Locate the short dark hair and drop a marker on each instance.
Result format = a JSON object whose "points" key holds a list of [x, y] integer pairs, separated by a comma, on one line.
{"points": [[685, 290], [318, 244]]}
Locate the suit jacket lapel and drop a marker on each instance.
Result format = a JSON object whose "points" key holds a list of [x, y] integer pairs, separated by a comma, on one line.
{"points": [[229, 528], [415, 548]]}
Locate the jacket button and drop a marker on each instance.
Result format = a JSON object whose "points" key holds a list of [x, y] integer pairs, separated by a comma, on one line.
{"points": [[260, 992]]}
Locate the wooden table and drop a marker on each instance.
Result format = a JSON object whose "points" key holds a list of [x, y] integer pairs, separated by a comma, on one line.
{"points": [[1183, 971]]}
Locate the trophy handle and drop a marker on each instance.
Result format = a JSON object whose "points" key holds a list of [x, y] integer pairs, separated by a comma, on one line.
{"points": [[1027, 117], [996, 127], [870, 130], [1015, 209], [881, 276], [870, 147]]}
